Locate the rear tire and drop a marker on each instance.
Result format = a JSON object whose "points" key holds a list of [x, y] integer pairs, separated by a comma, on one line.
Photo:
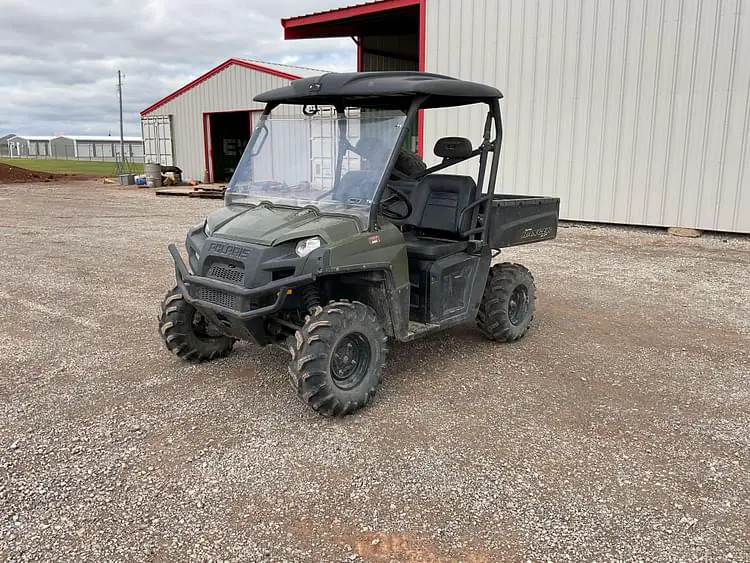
{"points": [[338, 357], [508, 303], [186, 334]]}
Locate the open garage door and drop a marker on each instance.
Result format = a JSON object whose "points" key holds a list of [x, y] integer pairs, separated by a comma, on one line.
{"points": [[158, 146], [227, 134]]}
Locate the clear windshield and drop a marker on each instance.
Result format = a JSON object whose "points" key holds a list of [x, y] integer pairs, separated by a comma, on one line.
{"points": [[294, 161]]}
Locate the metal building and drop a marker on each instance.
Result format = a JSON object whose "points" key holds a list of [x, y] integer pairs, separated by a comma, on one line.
{"points": [[4, 146], [98, 147], [205, 125], [72, 147], [631, 111], [29, 146]]}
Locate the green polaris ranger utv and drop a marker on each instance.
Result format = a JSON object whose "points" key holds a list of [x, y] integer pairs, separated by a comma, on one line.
{"points": [[336, 237]]}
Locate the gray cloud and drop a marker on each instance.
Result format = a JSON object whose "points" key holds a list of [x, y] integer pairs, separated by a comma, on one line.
{"points": [[59, 60]]}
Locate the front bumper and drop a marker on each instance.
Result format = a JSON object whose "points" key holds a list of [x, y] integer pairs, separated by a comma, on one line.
{"points": [[276, 290]]}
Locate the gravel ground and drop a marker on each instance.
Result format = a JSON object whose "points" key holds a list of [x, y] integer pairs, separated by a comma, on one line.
{"points": [[617, 429]]}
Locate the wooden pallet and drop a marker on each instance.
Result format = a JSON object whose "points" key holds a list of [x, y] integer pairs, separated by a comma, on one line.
{"points": [[204, 190]]}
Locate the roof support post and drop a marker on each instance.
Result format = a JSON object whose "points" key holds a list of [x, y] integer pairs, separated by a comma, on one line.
{"points": [[411, 116], [495, 111]]}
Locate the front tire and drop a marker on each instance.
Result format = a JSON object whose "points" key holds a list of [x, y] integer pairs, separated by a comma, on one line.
{"points": [[338, 357], [187, 334], [508, 303]]}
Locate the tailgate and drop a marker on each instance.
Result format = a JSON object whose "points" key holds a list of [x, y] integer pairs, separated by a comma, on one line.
{"points": [[522, 219]]}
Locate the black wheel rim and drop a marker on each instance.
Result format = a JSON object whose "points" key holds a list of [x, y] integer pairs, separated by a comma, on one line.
{"points": [[518, 305], [202, 328], [350, 360]]}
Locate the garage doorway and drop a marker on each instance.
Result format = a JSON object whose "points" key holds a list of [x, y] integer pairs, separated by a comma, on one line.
{"points": [[226, 135]]}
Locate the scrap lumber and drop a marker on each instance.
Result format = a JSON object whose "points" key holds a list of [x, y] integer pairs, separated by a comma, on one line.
{"points": [[201, 190], [175, 190]]}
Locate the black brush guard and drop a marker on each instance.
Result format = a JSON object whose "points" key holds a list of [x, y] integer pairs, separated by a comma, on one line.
{"points": [[279, 288]]}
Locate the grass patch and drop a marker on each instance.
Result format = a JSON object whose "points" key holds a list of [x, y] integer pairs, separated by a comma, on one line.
{"points": [[87, 167]]}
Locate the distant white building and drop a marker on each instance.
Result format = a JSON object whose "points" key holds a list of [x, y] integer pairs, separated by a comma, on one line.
{"points": [[93, 147], [4, 149], [73, 147], [205, 125], [29, 146]]}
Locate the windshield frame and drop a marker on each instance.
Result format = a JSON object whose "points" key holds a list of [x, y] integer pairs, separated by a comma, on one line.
{"points": [[411, 118]]}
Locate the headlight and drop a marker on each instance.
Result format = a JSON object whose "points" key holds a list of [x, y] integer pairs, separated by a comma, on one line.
{"points": [[305, 247]]}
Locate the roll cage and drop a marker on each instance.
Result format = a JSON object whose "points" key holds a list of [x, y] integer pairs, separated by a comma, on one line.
{"points": [[408, 92]]}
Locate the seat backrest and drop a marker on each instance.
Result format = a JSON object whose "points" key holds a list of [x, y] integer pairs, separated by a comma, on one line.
{"points": [[437, 203]]}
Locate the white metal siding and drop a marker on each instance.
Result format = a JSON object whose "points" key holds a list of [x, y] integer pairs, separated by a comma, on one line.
{"points": [[631, 111], [232, 89]]}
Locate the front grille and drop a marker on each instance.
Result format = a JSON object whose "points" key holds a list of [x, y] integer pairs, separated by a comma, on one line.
{"points": [[218, 297], [227, 273]]}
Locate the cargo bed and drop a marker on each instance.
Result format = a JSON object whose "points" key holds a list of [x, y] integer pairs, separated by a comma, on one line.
{"points": [[522, 219]]}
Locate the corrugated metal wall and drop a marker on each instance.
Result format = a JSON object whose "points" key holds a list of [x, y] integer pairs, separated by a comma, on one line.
{"points": [[394, 52], [631, 111], [232, 89]]}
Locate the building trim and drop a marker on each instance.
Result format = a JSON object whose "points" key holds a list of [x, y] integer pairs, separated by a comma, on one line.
{"points": [[422, 63], [206, 149]]}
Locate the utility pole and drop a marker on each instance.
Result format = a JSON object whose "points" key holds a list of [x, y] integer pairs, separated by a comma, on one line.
{"points": [[119, 95]]}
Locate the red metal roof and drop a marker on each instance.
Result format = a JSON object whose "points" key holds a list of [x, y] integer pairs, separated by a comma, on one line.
{"points": [[293, 25], [274, 70]]}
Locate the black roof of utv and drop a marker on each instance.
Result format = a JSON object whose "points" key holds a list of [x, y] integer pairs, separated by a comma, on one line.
{"points": [[380, 89]]}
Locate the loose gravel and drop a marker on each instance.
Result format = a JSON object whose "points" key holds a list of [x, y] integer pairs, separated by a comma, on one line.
{"points": [[617, 429]]}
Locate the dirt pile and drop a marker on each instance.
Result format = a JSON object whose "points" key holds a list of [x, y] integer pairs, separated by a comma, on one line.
{"points": [[14, 175]]}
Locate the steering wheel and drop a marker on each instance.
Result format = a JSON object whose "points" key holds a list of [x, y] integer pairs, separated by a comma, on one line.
{"points": [[395, 197]]}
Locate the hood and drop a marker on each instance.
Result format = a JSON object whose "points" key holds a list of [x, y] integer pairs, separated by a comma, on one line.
{"points": [[270, 226]]}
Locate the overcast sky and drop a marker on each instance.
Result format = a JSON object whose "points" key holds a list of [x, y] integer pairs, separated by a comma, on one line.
{"points": [[59, 58]]}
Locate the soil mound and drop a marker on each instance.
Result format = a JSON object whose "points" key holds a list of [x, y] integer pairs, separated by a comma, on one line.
{"points": [[14, 175]]}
